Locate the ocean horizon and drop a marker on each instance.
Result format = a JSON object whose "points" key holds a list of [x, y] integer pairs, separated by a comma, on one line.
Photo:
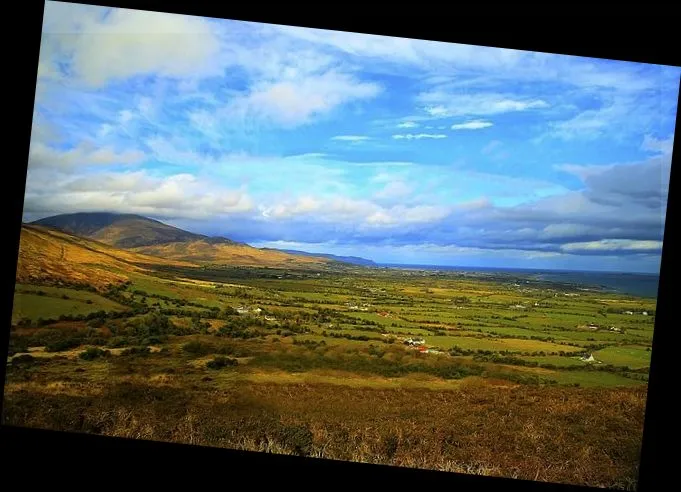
{"points": [[641, 284]]}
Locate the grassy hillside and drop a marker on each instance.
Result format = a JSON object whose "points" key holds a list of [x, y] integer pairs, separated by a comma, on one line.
{"points": [[51, 256], [232, 254], [120, 230]]}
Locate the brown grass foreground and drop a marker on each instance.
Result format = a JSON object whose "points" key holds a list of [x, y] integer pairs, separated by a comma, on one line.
{"points": [[556, 434]]}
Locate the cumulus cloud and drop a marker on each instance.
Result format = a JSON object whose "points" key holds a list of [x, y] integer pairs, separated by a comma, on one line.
{"points": [[418, 136], [472, 125], [101, 48], [180, 195]]}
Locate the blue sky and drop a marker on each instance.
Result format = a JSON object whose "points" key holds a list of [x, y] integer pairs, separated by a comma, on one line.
{"points": [[398, 150]]}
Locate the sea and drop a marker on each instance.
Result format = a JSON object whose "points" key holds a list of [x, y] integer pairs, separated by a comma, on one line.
{"points": [[634, 284]]}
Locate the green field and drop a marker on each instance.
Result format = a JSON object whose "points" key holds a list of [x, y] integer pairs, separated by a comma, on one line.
{"points": [[301, 358], [52, 305], [632, 356]]}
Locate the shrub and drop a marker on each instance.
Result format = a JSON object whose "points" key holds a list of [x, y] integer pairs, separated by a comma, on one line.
{"points": [[116, 342], [197, 348], [64, 344], [221, 361], [136, 351], [93, 353], [24, 359]]}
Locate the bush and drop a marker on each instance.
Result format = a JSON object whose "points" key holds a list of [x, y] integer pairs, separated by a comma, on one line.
{"points": [[116, 342], [221, 361], [93, 353], [197, 348], [64, 344], [136, 351], [25, 359]]}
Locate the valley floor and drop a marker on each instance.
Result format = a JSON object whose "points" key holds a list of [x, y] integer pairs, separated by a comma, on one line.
{"points": [[415, 369]]}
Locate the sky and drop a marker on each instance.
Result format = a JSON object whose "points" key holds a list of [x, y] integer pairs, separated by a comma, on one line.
{"points": [[397, 150]]}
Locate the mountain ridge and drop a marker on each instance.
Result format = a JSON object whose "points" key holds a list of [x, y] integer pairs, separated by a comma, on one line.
{"points": [[354, 260], [124, 230]]}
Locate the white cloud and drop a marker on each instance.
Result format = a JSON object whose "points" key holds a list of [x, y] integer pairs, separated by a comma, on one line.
{"points": [[472, 125], [180, 195], [444, 104], [394, 189], [661, 146], [613, 245], [295, 103], [350, 138], [41, 156], [411, 136], [125, 43], [408, 124]]}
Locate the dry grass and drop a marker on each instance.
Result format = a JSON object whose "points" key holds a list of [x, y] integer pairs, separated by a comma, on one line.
{"points": [[579, 436], [231, 254], [48, 255]]}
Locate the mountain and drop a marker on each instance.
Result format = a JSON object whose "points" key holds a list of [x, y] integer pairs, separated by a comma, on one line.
{"points": [[123, 230], [354, 260], [153, 238], [52, 256], [230, 254]]}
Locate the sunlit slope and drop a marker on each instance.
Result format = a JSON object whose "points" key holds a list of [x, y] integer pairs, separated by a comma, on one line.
{"points": [[229, 254], [51, 256]]}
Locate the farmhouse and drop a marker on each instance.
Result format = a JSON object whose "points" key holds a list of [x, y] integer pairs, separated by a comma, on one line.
{"points": [[614, 328], [518, 306], [270, 318], [242, 310], [589, 358], [414, 342], [592, 326]]}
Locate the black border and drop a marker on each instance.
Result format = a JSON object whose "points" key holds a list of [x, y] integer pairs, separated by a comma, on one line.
{"points": [[600, 31]]}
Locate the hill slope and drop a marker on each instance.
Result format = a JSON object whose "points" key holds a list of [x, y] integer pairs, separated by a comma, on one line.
{"points": [[203, 251], [51, 256], [123, 230], [151, 237]]}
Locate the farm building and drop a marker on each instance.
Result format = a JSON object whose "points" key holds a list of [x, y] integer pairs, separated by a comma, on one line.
{"points": [[628, 312], [242, 310], [270, 318], [257, 310], [645, 313], [414, 341], [589, 358]]}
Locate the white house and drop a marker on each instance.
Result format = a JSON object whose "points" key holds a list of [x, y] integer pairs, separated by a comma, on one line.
{"points": [[590, 358], [242, 310], [628, 312]]}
